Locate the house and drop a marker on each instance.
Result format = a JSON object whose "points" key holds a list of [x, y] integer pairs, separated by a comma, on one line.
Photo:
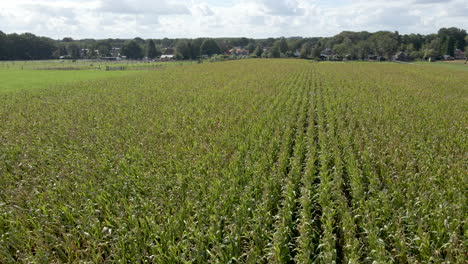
{"points": [[111, 58], [447, 57], [84, 53], [167, 57], [459, 54], [297, 53], [375, 58], [327, 54], [401, 56], [236, 51], [115, 52]]}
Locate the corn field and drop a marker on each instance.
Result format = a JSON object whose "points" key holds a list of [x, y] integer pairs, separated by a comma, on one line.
{"points": [[253, 161]]}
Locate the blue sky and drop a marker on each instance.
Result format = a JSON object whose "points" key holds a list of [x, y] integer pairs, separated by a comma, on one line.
{"points": [[226, 18]]}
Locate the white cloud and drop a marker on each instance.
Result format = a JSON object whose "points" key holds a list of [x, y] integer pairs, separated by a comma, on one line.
{"points": [[143, 7], [250, 18]]}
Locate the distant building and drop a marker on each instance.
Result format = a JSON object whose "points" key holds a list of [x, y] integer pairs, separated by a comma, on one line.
{"points": [[111, 58], [237, 51], [328, 54], [459, 54], [167, 57], [375, 58], [447, 57], [84, 53], [401, 56], [115, 52]]}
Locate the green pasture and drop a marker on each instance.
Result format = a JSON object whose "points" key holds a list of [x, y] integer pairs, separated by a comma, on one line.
{"points": [[20, 80]]}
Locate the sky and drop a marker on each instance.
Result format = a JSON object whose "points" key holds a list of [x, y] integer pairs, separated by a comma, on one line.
{"points": [[226, 18]]}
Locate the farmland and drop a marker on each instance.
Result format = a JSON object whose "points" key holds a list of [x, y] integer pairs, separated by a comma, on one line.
{"points": [[34, 75], [251, 161]]}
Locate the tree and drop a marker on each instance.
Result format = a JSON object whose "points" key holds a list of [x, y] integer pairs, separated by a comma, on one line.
{"points": [[283, 45], [258, 51], [452, 38], [151, 50], [364, 49], [104, 47], [183, 50], [385, 43], [317, 50], [429, 53], [74, 50], [132, 50], [417, 54], [210, 47], [166, 43], [275, 51], [251, 47], [139, 41], [306, 50], [3, 46], [62, 50], [196, 47]]}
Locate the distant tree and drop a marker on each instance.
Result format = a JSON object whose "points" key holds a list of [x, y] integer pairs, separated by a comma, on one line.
{"points": [[210, 47], [74, 50], [306, 50], [104, 47], [283, 45], [169, 51], [451, 39], [224, 46], [67, 39], [385, 43], [132, 50], [295, 44], [251, 47], [433, 49], [364, 49], [62, 50], [258, 51], [183, 50], [429, 53], [244, 42], [275, 51], [3, 46], [139, 41], [416, 54], [166, 43], [196, 47], [317, 51], [151, 50]]}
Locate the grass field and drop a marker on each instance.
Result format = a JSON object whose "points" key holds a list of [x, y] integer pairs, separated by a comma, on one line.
{"points": [[21, 80], [33, 75], [84, 64], [454, 65], [251, 161]]}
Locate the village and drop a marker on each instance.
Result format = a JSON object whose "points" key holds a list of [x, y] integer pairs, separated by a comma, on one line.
{"points": [[327, 54]]}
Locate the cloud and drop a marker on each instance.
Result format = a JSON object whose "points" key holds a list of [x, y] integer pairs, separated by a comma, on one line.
{"points": [[283, 7], [202, 9], [432, 1], [213, 18], [66, 14], [143, 7]]}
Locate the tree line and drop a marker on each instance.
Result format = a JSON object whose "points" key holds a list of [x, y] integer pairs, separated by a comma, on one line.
{"points": [[352, 45]]}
